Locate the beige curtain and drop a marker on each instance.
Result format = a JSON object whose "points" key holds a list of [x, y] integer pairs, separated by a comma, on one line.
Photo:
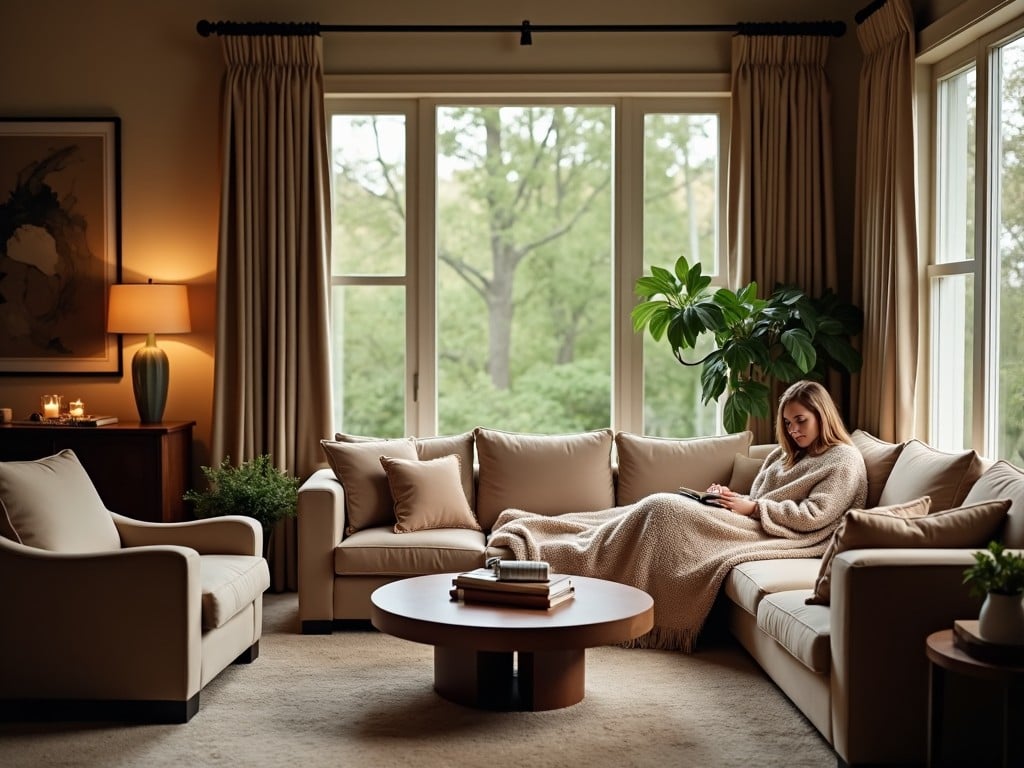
{"points": [[781, 218], [272, 392], [885, 239]]}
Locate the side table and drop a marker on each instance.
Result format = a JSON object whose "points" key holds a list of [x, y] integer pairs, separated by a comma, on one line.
{"points": [[1006, 684]]}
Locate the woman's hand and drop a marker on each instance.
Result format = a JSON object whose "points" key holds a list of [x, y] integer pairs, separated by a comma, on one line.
{"points": [[734, 502]]}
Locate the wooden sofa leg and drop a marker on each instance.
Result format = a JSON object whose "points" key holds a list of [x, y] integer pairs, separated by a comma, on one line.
{"points": [[249, 655], [317, 627]]}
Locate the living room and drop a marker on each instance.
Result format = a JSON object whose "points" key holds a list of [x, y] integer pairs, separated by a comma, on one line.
{"points": [[146, 65]]}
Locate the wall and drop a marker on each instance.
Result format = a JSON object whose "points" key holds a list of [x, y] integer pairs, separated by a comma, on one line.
{"points": [[144, 61]]}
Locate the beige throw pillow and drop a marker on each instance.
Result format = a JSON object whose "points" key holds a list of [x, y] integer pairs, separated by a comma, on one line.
{"points": [[1003, 481], [921, 470], [659, 464], [744, 470], [879, 459], [428, 494], [368, 502], [52, 504], [544, 474], [959, 528]]}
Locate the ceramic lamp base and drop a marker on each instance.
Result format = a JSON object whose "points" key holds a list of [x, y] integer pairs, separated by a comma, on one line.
{"points": [[150, 374]]}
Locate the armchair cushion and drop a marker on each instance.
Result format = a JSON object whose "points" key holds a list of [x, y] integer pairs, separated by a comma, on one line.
{"points": [[52, 504], [229, 584]]}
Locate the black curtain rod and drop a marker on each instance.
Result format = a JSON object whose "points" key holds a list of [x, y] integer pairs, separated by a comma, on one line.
{"points": [[525, 29], [862, 15]]}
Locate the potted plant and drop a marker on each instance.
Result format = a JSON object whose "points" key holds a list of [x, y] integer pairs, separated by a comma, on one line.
{"points": [[255, 488], [786, 337], [999, 576]]}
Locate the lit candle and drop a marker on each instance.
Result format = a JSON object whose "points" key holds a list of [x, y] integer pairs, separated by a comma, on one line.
{"points": [[51, 406], [77, 409]]}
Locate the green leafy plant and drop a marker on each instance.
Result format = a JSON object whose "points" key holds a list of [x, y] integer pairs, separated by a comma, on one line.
{"points": [[995, 570], [255, 488], [786, 337]]}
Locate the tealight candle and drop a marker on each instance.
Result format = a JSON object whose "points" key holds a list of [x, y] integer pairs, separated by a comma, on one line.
{"points": [[51, 406], [77, 409]]}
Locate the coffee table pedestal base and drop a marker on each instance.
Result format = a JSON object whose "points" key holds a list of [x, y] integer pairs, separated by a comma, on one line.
{"points": [[491, 680]]}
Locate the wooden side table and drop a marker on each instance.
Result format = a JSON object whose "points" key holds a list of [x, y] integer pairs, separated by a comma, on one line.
{"points": [[1007, 683]]}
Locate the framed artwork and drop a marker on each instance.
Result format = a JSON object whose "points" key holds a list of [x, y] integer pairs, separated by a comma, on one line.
{"points": [[60, 245]]}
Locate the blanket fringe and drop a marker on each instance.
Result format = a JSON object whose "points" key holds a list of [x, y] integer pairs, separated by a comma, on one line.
{"points": [[665, 639]]}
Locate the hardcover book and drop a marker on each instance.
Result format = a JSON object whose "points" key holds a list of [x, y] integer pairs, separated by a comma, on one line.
{"points": [[512, 599], [704, 498], [486, 578]]}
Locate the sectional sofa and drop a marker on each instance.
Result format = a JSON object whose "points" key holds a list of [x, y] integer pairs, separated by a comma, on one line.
{"points": [[842, 635]]}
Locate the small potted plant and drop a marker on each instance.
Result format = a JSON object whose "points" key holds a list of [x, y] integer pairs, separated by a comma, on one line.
{"points": [[999, 576], [255, 488]]}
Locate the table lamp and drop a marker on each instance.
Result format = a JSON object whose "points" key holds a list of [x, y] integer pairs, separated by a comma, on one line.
{"points": [[149, 308]]}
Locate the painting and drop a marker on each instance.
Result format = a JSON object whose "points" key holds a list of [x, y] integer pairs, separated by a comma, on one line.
{"points": [[60, 245]]}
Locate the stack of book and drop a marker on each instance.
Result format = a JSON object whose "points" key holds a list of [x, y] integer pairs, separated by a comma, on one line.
{"points": [[483, 586]]}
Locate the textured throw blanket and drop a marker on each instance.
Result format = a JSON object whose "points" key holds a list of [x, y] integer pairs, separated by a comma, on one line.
{"points": [[679, 551]]}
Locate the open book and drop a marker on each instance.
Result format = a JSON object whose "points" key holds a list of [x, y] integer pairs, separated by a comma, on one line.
{"points": [[701, 496]]}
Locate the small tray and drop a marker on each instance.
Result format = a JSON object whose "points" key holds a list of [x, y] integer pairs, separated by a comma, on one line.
{"points": [[967, 639]]}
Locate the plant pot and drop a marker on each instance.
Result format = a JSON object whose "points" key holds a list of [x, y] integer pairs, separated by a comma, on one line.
{"points": [[1002, 619]]}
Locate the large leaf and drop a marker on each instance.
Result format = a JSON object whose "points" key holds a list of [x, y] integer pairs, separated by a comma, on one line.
{"points": [[659, 321], [682, 268], [696, 282], [651, 285], [840, 350], [798, 343], [642, 313]]}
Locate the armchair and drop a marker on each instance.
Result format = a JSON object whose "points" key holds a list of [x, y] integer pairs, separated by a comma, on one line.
{"points": [[106, 617]]}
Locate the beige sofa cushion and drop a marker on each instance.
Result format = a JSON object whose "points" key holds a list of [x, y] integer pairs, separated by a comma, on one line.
{"points": [[229, 583], [543, 474], [801, 629], [921, 470], [52, 504], [382, 552], [658, 464], [879, 459], [744, 470], [428, 494], [357, 466], [1003, 481], [748, 583]]}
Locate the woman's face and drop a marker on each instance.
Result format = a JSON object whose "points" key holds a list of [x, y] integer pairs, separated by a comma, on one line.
{"points": [[801, 425]]}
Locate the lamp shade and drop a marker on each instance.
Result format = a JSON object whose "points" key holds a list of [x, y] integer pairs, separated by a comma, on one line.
{"points": [[148, 308]]}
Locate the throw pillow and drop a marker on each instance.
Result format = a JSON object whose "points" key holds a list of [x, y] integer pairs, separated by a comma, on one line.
{"points": [[959, 528], [879, 459], [428, 494], [921, 470], [744, 470], [368, 502], [659, 464], [544, 474], [52, 504], [1003, 480]]}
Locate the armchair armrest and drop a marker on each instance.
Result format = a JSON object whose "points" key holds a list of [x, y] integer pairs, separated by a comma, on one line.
{"points": [[113, 625], [885, 602], [321, 526], [227, 535]]}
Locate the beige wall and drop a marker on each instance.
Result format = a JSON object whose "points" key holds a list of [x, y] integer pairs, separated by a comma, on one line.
{"points": [[143, 61]]}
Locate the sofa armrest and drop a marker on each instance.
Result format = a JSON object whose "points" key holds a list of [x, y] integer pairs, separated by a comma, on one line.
{"points": [[227, 535], [92, 625], [321, 525], [885, 603]]}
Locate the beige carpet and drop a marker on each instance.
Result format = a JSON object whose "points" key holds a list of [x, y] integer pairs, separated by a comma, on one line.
{"points": [[360, 698]]}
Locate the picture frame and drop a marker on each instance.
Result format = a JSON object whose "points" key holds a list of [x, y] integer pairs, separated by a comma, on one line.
{"points": [[60, 245]]}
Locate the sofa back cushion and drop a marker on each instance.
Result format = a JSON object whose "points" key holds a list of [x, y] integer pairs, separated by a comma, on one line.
{"points": [[357, 466], [921, 470], [1003, 480], [879, 459], [544, 474], [52, 504], [658, 464]]}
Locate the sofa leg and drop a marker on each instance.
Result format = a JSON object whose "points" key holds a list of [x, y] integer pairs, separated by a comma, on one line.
{"points": [[317, 627], [249, 655]]}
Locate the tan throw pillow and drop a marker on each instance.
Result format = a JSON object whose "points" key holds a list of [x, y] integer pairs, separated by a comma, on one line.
{"points": [[659, 464], [368, 502], [921, 470], [744, 470], [52, 504], [428, 494], [544, 474], [959, 528], [1003, 481], [879, 459]]}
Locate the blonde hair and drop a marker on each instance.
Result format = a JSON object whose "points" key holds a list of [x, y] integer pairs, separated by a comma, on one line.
{"points": [[815, 398]]}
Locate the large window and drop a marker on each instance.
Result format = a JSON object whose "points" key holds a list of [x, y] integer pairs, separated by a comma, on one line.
{"points": [[484, 255], [977, 271]]}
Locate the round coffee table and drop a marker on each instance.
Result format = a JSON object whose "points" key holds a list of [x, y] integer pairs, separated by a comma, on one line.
{"points": [[476, 646]]}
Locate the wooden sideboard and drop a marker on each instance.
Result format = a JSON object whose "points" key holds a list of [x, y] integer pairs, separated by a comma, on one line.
{"points": [[140, 470]]}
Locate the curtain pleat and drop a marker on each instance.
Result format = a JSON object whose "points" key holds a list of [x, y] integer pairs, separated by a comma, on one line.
{"points": [[781, 215], [272, 389], [886, 282]]}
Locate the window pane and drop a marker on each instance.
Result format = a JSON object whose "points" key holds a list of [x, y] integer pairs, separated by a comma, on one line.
{"points": [[524, 243], [1010, 415], [368, 334], [955, 167], [681, 157], [952, 361], [368, 173]]}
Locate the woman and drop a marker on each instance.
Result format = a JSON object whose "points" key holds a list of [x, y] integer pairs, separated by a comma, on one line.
{"points": [[680, 551]]}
